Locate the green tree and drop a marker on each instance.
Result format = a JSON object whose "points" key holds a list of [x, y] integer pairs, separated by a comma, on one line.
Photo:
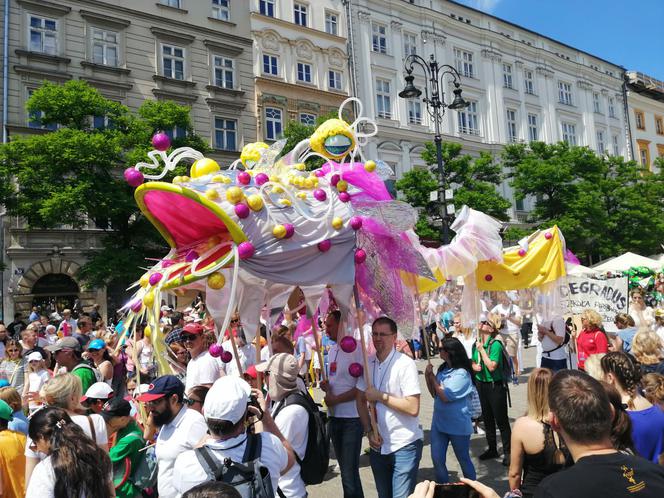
{"points": [[474, 181], [74, 175]]}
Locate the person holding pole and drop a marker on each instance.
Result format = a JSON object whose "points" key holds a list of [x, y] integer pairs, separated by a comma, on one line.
{"points": [[397, 447], [345, 428]]}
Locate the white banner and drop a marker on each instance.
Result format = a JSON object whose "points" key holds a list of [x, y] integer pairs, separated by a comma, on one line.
{"points": [[607, 297]]}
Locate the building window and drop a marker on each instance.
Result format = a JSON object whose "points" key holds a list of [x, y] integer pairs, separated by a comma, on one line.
{"points": [[601, 147], [273, 123], [464, 62], [176, 132], [659, 125], [597, 103], [379, 38], [300, 14], [569, 133], [533, 133], [660, 150], [529, 82], [221, 10], [612, 108], [383, 99], [308, 119], [304, 72], [172, 60], [334, 80], [468, 119], [331, 23], [171, 3], [43, 35], [640, 120], [100, 122], [507, 76], [616, 146], [564, 93], [271, 65], [644, 154], [225, 134], [409, 44], [224, 72], [266, 7], [105, 47], [414, 111], [35, 118], [511, 125]]}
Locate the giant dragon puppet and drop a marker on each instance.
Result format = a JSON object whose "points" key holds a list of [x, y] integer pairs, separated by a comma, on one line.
{"points": [[248, 234]]}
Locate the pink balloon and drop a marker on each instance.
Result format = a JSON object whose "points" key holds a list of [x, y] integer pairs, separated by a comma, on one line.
{"points": [[136, 306], [320, 194], [348, 344], [360, 256], [319, 173], [166, 263], [161, 141], [244, 178], [324, 245], [216, 350], [290, 230], [190, 256], [548, 235], [246, 250], [355, 370], [356, 222], [226, 356], [242, 210], [344, 196], [155, 278], [522, 252], [133, 177], [261, 178], [334, 180]]}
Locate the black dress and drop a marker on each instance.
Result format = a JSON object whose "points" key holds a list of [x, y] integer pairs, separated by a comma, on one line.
{"points": [[536, 467]]}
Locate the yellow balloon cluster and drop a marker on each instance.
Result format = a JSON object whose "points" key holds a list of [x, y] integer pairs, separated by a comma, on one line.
{"points": [[251, 154]]}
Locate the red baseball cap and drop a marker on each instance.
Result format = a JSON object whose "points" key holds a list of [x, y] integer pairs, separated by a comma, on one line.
{"points": [[193, 328]]}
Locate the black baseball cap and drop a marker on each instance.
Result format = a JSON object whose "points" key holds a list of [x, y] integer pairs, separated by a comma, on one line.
{"points": [[162, 386], [115, 407]]}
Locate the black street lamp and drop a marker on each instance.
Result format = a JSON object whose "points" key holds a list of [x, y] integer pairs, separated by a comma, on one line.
{"points": [[434, 99]]}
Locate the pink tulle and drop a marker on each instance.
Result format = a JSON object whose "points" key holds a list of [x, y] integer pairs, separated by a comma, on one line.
{"points": [[371, 185]]}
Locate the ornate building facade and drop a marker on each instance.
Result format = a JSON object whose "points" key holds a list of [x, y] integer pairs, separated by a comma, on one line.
{"points": [[645, 97]]}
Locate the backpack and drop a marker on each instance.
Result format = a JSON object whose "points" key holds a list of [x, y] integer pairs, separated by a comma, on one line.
{"points": [[250, 478], [506, 367], [317, 455], [144, 475], [98, 376]]}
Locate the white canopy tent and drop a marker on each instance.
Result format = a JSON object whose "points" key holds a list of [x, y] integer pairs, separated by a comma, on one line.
{"points": [[625, 262], [580, 270]]}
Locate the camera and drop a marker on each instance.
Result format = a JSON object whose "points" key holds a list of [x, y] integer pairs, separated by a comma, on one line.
{"points": [[454, 490], [253, 401]]}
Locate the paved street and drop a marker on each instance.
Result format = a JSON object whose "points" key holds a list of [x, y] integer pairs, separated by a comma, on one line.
{"points": [[491, 473]]}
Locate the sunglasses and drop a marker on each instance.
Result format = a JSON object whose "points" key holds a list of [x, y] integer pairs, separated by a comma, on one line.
{"points": [[92, 350], [189, 338], [484, 322], [191, 401]]}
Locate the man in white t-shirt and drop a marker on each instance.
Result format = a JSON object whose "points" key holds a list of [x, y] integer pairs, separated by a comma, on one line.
{"points": [[226, 411], [551, 334], [181, 428], [344, 422], [510, 328], [396, 449], [203, 369], [291, 419]]}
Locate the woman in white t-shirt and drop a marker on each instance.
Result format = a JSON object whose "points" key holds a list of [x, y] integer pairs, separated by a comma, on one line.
{"points": [[74, 466], [37, 377], [64, 391]]}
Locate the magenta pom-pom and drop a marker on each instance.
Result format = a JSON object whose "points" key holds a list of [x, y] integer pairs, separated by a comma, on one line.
{"points": [[166, 263], [190, 256], [246, 250], [242, 210], [488, 278], [319, 173], [356, 222], [334, 180], [360, 256], [548, 235], [324, 245], [226, 357], [320, 194], [136, 305], [522, 252], [355, 370], [161, 141], [344, 196], [290, 230], [155, 278], [133, 177], [215, 350], [244, 178], [348, 344], [261, 178]]}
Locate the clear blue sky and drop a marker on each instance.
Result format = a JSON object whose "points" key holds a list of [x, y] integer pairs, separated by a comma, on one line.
{"points": [[629, 33]]}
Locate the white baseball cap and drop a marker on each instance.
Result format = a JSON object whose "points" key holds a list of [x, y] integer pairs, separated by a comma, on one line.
{"points": [[227, 399], [35, 356], [98, 390]]}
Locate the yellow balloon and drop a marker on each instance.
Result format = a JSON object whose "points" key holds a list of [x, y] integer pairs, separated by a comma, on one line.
{"points": [[145, 280], [302, 195], [234, 194], [255, 202], [285, 202], [300, 167], [177, 179], [370, 166], [216, 281], [147, 331], [337, 223], [308, 183], [204, 167], [277, 189], [279, 231], [342, 185], [148, 299], [212, 194]]}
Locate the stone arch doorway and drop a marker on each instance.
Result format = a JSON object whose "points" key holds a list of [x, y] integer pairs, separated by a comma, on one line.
{"points": [[54, 292]]}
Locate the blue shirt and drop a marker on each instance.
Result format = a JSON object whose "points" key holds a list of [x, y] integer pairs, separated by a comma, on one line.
{"points": [[19, 424], [627, 336], [648, 432], [453, 417]]}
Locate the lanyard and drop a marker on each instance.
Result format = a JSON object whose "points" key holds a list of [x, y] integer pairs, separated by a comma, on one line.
{"points": [[387, 369]]}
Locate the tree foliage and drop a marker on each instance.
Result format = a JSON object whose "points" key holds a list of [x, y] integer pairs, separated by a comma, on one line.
{"points": [[73, 176], [474, 181], [603, 205]]}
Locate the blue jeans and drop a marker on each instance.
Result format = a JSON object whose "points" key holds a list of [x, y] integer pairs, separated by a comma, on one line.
{"points": [[346, 437], [396, 473], [461, 446], [553, 365]]}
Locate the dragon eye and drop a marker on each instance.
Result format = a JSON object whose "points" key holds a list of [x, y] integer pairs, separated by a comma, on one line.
{"points": [[337, 144], [250, 163]]}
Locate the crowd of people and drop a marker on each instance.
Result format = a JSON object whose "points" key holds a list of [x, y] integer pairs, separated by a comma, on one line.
{"points": [[84, 413]]}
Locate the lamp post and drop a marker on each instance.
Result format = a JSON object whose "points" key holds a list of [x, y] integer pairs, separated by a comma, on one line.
{"points": [[434, 99]]}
